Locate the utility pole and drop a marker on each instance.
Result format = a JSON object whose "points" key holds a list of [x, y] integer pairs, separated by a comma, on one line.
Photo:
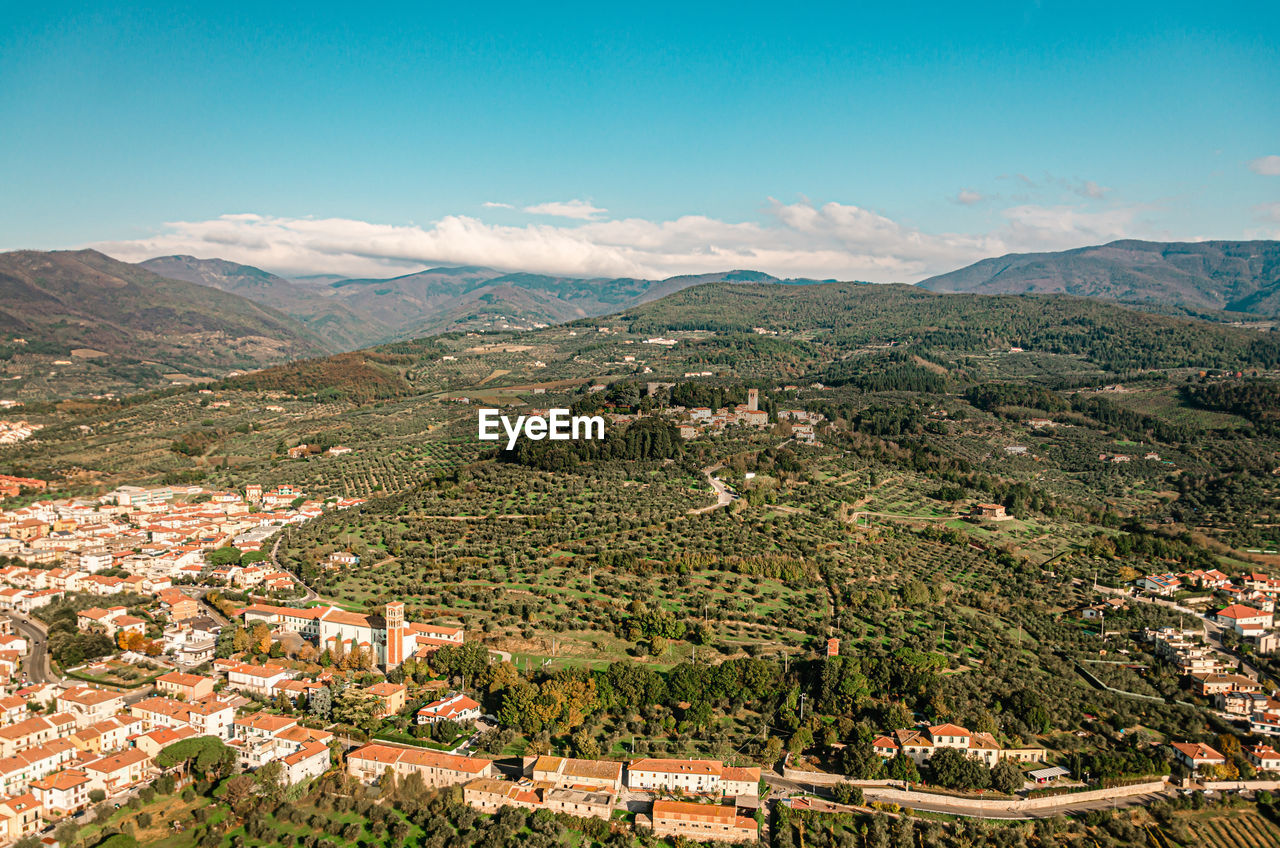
{"points": [[802, 697]]}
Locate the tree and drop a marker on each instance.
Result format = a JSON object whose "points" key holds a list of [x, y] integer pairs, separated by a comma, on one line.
{"points": [[261, 638], [321, 705], [202, 756], [847, 793], [224, 556], [269, 780], [952, 769], [903, 768], [358, 708], [1007, 777]]}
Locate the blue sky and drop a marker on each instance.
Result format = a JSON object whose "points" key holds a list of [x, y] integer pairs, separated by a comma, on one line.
{"points": [[870, 141]]}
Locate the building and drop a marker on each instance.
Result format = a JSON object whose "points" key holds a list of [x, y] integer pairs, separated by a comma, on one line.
{"points": [[569, 772], [388, 639], [1245, 621], [457, 708], [701, 822], [740, 782], [63, 793], [19, 817], [1165, 585], [1195, 755], [489, 794], [392, 696], [208, 716], [189, 687], [989, 512], [89, 705], [370, 762], [259, 680], [34, 731], [118, 772], [1263, 757], [922, 743], [1215, 684], [692, 777]]}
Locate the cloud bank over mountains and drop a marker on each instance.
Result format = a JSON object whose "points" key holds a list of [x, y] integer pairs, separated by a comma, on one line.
{"points": [[801, 239]]}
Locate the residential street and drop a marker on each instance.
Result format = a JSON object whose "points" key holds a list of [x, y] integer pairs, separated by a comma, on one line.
{"points": [[36, 664]]}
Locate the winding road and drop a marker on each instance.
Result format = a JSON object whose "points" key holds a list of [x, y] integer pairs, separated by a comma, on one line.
{"points": [[724, 496]]}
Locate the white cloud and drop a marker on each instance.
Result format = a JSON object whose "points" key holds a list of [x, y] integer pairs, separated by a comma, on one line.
{"points": [[577, 209], [1091, 190], [1268, 166], [1267, 211], [968, 197], [802, 239], [490, 204]]}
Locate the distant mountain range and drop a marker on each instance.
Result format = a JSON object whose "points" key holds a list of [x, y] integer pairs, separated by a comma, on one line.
{"points": [[63, 301], [1232, 276], [74, 320], [354, 313]]}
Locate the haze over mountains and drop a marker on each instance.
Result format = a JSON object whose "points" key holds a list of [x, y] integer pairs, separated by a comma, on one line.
{"points": [[1233, 276], [78, 321], [353, 313]]}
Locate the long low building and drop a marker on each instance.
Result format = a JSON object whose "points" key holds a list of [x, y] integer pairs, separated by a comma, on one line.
{"points": [[695, 777], [370, 762], [701, 821]]}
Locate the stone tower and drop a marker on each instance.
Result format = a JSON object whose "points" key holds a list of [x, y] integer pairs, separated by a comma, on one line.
{"points": [[394, 615]]}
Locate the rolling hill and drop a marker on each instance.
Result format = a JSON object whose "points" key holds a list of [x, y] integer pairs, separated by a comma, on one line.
{"points": [[354, 313], [1233, 276], [81, 308]]}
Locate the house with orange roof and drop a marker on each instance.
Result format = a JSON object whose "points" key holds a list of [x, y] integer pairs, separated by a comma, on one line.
{"points": [[693, 777], [63, 793], [1196, 755], [89, 704], [20, 815], [1263, 757], [1244, 620], [459, 708], [919, 744], [189, 687], [118, 772], [34, 731], [153, 741], [392, 697]]}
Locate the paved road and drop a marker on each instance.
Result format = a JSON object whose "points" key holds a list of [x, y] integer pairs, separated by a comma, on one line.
{"points": [[36, 664], [963, 807], [724, 497]]}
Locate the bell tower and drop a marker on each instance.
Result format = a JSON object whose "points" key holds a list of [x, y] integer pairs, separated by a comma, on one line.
{"points": [[394, 615]]}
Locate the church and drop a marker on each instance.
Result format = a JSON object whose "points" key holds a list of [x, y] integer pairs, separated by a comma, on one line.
{"points": [[389, 638]]}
